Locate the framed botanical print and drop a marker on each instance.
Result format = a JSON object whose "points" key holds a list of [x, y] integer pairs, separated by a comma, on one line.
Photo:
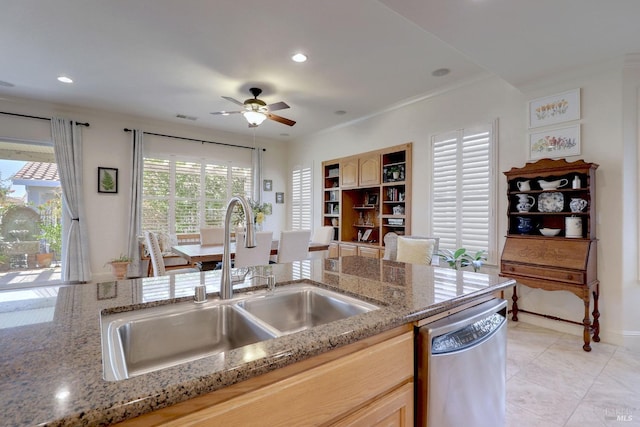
{"points": [[558, 108], [107, 180]]}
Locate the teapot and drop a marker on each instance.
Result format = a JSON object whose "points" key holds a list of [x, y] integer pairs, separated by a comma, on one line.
{"points": [[577, 204], [524, 225], [552, 185]]}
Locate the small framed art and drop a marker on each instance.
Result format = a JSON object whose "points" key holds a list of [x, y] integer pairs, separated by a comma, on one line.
{"points": [[107, 180], [279, 197], [267, 185], [558, 108], [555, 143]]}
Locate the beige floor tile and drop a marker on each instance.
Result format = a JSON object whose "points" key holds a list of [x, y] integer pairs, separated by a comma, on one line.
{"points": [[557, 373], [551, 381], [546, 403], [518, 417]]}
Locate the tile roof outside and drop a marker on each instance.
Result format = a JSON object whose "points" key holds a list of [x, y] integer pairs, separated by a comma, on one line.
{"points": [[38, 171]]}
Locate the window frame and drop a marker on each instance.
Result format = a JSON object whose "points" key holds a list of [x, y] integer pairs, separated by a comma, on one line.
{"points": [[201, 198], [492, 185], [302, 205]]}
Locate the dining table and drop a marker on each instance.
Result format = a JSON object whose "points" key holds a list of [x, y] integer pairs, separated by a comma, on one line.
{"points": [[207, 257]]}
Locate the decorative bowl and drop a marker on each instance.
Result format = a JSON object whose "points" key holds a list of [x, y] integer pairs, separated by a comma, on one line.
{"points": [[550, 231]]}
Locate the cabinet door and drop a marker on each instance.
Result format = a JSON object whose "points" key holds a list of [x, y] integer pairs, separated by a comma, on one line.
{"points": [[348, 250], [349, 172], [392, 410], [334, 250], [368, 252], [369, 170]]}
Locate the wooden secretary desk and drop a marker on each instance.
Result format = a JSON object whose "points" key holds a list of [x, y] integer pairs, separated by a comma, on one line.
{"points": [[565, 261]]}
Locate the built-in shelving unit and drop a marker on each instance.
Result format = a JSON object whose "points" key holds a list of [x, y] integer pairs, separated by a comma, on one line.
{"points": [[373, 198]]}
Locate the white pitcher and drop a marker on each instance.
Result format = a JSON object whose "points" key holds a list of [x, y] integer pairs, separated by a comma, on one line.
{"points": [[524, 185]]}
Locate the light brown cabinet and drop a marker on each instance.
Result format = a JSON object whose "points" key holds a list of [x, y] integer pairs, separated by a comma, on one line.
{"points": [[567, 260], [349, 172], [366, 383], [369, 170], [373, 198]]}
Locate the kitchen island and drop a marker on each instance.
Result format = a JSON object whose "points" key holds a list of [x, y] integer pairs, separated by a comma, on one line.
{"points": [[51, 360]]}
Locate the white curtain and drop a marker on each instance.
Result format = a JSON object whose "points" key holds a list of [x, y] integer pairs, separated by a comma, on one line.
{"points": [[135, 203], [256, 159], [67, 141]]}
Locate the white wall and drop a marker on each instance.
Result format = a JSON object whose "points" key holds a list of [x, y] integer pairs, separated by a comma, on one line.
{"points": [[106, 144], [481, 102]]}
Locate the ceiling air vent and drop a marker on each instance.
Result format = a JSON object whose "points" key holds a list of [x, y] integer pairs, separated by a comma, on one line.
{"points": [[184, 116]]}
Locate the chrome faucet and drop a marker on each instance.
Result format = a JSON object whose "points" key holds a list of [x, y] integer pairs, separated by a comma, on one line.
{"points": [[226, 288]]}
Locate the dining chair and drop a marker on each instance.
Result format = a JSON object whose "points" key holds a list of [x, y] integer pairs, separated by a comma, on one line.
{"points": [[250, 257], [322, 235], [293, 246], [411, 249], [211, 236], [156, 258]]}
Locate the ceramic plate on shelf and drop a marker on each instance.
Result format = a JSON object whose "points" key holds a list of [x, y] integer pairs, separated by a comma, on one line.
{"points": [[550, 202]]}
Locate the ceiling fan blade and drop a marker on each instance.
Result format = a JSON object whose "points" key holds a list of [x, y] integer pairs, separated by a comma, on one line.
{"points": [[224, 113], [279, 119], [235, 101], [277, 106]]}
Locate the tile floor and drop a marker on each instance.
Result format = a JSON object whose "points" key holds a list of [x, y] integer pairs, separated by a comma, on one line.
{"points": [[552, 382]]}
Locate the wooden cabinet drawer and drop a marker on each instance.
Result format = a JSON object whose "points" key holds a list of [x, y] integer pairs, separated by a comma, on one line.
{"points": [[570, 276], [348, 250], [368, 252]]}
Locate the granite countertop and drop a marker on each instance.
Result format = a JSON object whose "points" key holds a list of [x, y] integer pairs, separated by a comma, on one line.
{"points": [[51, 359]]}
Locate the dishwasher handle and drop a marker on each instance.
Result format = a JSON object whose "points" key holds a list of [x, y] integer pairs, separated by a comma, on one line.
{"points": [[468, 336]]}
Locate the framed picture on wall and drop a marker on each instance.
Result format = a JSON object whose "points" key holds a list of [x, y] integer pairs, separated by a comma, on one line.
{"points": [[279, 197], [558, 108], [107, 180], [555, 143], [267, 185]]}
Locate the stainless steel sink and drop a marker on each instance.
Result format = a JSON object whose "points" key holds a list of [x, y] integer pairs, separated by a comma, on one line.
{"points": [[298, 309], [146, 340]]}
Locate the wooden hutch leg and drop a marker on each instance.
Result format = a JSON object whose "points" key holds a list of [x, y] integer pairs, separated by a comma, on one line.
{"points": [[596, 314], [514, 306], [586, 334]]}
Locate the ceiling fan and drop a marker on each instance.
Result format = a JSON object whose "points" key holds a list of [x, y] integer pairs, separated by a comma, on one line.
{"points": [[256, 110]]}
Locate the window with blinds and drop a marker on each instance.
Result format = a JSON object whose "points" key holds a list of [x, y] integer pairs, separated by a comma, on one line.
{"points": [[301, 206], [181, 196], [463, 184]]}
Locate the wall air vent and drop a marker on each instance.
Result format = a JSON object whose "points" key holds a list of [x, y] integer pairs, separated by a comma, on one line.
{"points": [[184, 116]]}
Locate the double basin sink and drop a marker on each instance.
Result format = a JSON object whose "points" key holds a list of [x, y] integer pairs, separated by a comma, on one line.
{"points": [[145, 340]]}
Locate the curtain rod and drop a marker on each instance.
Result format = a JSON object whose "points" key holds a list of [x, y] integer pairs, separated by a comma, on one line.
{"points": [[39, 118], [196, 140]]}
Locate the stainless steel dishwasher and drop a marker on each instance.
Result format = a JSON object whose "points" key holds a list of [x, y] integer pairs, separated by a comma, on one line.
{"points": [[461, 368]]}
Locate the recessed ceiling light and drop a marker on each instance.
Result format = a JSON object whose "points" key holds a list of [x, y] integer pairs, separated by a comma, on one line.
{"points": [[441, 72], [299, 57], [65, 79], [340, 112]]}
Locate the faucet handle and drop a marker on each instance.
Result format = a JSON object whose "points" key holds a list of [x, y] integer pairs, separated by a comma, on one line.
{"points": [[271, 280], [200, 294]]}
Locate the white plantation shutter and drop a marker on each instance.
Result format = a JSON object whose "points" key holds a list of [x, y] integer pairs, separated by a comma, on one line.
{"points": [[463, 205], [181, 196], [301, 199]]}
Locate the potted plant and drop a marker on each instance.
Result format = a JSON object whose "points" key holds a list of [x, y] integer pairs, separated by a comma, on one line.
{"points": [[119, 266], [459, 258], [394, 171]]}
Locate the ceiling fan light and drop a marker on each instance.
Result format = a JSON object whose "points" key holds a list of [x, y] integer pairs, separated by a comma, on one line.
{"points": [[254, 118]]}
